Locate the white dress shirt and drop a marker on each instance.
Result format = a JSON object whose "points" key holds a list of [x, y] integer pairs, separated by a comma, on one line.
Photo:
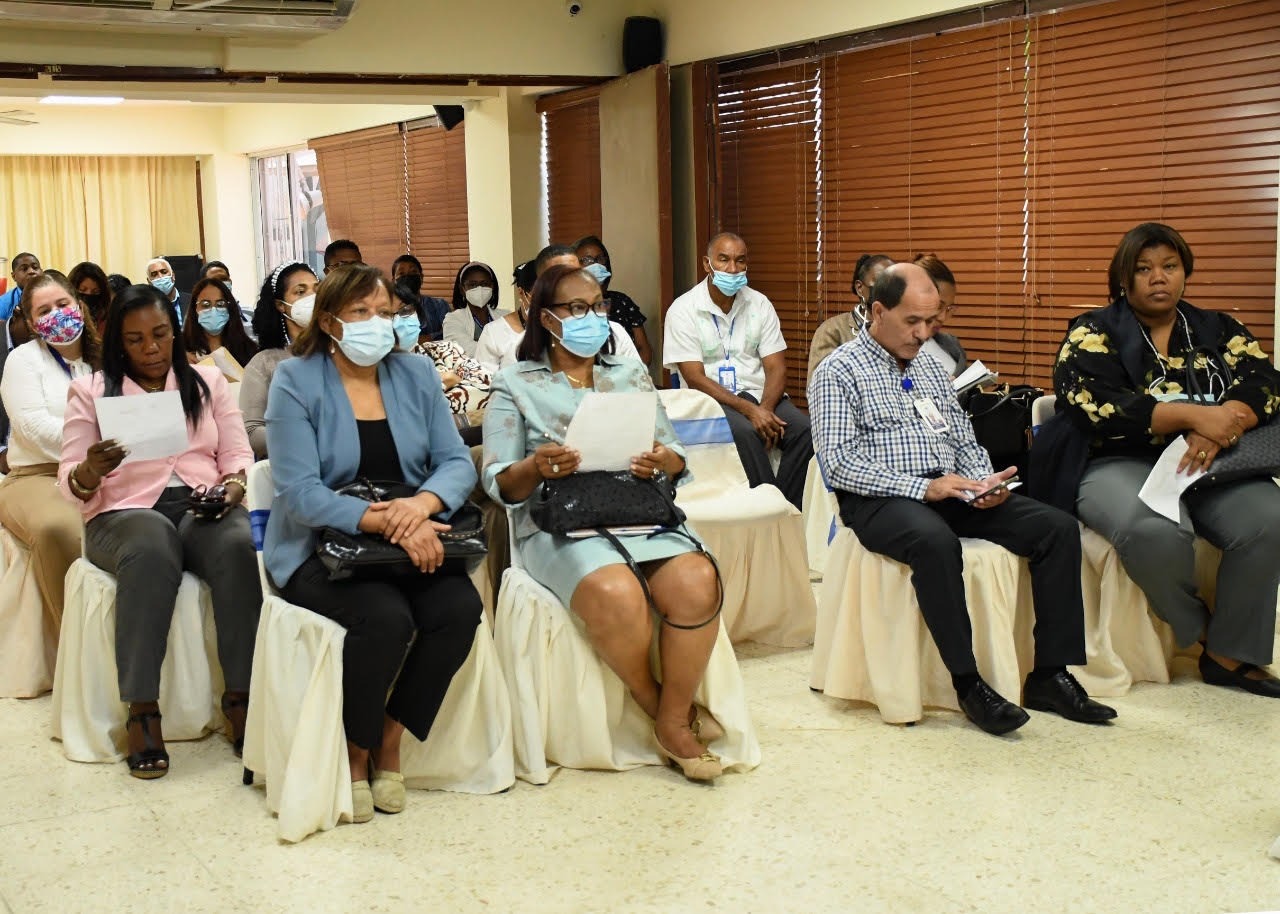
{"points": [[34, 389]]}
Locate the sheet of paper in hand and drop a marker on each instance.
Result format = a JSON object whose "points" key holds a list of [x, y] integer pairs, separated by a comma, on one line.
{"points": [[610, 428], [147, 425]]}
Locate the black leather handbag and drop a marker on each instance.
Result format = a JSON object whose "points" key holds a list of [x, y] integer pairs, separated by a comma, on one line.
{"points": [[1002, 422], [1256, 454], [605, 498], [349, 556]]}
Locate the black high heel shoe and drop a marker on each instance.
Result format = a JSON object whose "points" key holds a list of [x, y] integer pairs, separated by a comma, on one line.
{"points": [[152, 761], [236, 702]]}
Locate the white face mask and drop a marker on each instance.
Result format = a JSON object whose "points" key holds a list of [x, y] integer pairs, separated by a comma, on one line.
{"points": [[479, 296], [300, 311]]}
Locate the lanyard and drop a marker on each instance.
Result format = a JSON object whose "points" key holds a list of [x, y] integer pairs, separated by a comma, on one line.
{"points": [[62, 363], [724, 340]]}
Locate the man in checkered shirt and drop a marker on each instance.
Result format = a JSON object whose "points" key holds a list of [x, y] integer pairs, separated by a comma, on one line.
{"points": [[901, 456]]}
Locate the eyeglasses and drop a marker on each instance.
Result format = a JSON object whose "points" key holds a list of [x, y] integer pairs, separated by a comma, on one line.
{"points": [[207, 305], [587, 260], [579, 308], [407, 311]]}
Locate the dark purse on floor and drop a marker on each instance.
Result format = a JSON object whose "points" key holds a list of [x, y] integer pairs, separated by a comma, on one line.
{"points": [[605, 498], [363, 556], [1255, 455]]}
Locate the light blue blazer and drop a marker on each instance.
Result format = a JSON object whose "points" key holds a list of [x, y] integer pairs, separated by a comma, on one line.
{"points": [[315, 448]]}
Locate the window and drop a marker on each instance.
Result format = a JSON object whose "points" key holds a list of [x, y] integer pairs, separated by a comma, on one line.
{"points": [[292, 223]]}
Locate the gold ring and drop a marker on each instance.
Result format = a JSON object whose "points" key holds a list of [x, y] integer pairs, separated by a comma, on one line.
{"points": [[653, 471], [1234, 438], [1202, 455]]}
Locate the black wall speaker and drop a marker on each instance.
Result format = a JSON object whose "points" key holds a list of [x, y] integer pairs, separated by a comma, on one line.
{"points": [[450, 115], [186, 270], [641, 42]]}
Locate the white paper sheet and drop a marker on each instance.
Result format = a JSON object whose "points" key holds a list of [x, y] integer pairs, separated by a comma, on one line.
{"points": [[225, 362], [610, 428], [931, 346], [148, 425], [1165, 485]]}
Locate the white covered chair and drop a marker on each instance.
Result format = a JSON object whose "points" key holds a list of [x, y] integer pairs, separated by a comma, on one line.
{"points": [[294, 737], [756, 535], [28, 640], [88, 713], [569, 709], [819, 522], [872, 644]]}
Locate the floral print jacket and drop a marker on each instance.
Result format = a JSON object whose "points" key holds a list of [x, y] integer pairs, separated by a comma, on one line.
{"points": [[1109, 378]]}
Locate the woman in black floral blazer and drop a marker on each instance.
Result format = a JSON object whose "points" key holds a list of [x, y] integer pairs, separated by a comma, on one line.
{"points": [[1122, 379]]}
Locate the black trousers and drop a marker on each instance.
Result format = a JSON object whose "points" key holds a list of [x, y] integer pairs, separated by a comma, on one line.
{"points": [[926, 536], [381, 618], [796, 445]]}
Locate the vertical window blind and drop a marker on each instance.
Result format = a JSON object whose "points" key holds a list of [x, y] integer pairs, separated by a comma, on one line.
{"points": [[396, 189], [571, 164], [1019, 152]]}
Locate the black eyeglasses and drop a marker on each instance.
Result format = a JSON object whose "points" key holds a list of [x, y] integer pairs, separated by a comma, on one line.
{"points": [[587, 260], [580, 308]]}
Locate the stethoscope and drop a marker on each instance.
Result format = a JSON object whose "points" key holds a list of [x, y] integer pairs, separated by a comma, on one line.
{"points": [[1218, 383]]}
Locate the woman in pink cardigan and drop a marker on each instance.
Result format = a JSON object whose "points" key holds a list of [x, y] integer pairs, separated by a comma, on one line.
{"points": [[137, 523]]}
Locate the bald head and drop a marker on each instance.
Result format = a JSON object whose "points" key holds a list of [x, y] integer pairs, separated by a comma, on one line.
{"points": [[904, 306], [724, 238]]}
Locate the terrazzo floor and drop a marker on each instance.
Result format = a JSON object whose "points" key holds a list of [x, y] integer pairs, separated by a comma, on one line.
{"points": [[1171, 809]]}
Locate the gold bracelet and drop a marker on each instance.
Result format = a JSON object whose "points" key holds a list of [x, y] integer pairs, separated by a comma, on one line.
{"points": [[78, 488], [238, 479]]}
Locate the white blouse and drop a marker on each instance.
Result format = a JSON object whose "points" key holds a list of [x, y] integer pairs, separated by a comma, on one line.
{"points": [[34, 391], [460, 327]]}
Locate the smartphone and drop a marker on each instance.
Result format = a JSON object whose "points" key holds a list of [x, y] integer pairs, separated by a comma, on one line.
{"points": [[1011, 483]]}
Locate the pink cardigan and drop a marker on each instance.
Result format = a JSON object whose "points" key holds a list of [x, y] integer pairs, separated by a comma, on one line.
{"points": [[217, 447]]}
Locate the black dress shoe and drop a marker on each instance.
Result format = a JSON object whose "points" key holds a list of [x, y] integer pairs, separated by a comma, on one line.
{"points": [[990, 711], [1215, 673], [1061, 694]]}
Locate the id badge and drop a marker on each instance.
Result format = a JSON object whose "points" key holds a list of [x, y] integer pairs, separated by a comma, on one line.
{"points": [[728, 375], [930, 415]]}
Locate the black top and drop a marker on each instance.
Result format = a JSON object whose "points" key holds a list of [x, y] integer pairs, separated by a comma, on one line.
{"points": [[379, 458], [622, 310]]}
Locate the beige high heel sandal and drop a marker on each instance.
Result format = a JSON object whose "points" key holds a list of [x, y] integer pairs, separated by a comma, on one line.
{"points": [[705, 767]]}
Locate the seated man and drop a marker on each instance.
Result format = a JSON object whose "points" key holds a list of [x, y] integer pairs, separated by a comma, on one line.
{"points": [[160, 275], [24, 268], [724, 339], [902, 457]]}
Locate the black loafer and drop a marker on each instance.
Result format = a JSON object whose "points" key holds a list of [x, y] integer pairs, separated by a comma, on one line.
{"points": [[1061, 694], [991, 711], [1215, 673]]}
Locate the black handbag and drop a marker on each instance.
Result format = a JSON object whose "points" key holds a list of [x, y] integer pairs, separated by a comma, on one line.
{"points": [[364, 555], [605, 498], [1256, 454], [1002, 422]]}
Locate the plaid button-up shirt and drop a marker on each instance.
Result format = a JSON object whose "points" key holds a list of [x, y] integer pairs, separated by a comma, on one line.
{"points": [[867, 434]]}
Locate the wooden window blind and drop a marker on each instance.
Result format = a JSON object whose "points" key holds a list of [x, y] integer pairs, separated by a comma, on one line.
{"points": [[571, 140], [767, 123], [396, 189], [438, 227]]}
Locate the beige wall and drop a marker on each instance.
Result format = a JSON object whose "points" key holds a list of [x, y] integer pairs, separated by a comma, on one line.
{"points": [[683, 208]]}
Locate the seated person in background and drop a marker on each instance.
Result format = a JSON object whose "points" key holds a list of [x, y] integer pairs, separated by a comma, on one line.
{"points": [[349, 407], [94, 291], [1122, 379], [407, 269], [500, 337], [16, 332], [903, 460], [34, 391], [466, 382], [842, 328], [341, 253], [595, 259], [214, 322], [216, 269], [475, 305], [22, 269], [561, 359], [137, 526], [118, 283], [943, 346], [724, 339], [284, 308], [160, 275]]}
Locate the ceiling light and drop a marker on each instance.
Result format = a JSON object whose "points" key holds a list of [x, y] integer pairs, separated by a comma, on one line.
{"points": [[81, 100]]}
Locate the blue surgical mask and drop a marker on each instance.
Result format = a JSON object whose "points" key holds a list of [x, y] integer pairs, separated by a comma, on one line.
{"points": [[599, 272], [583, 336], [367, 342], [163, 283], [729, 283], [408, 328], [213, 321]]}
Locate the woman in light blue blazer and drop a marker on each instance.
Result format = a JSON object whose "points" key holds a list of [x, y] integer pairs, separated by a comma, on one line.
{"points": [[348, 407]]}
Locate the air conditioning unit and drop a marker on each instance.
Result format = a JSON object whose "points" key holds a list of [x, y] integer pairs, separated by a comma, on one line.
{"points": [[230, 18]]}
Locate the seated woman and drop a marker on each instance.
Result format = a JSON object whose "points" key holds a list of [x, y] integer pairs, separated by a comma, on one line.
{"points": [[64, 346], [349, 407], [943, 346], [561, 358], [1121, 377], [594, 257], [498, 338], [137, 523], [475, 305], [94, 291], [214, 322], [282, 313], [842, 328]]}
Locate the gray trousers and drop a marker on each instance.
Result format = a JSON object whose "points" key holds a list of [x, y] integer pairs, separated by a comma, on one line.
{"points": [[796, 446], [1242, 519], [147, 550]]}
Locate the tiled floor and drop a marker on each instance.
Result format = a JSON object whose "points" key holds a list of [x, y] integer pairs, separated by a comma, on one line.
{"points": [[1172, 809]]}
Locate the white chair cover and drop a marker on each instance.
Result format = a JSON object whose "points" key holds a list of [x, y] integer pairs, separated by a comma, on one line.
{"points": [[755, 534], [569, 709], [872, 644], [294, 737], [28, 640], [819, 522], [88, 713]]}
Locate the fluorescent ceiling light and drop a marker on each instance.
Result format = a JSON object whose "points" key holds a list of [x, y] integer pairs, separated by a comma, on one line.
{"points": [[81, 100]]}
